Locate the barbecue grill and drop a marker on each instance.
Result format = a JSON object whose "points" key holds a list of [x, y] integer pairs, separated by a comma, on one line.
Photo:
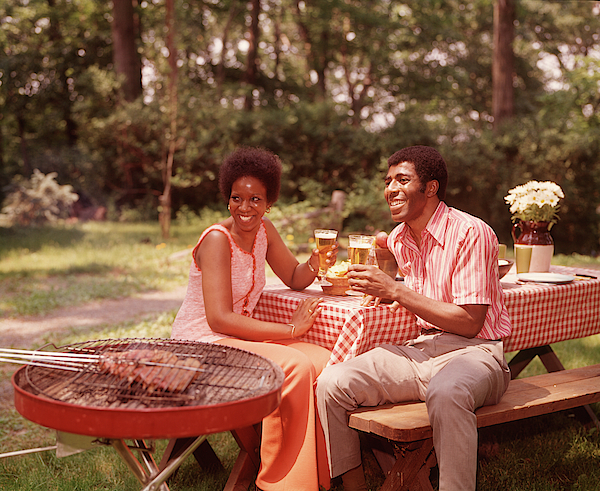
{"points": [[73, 391]]}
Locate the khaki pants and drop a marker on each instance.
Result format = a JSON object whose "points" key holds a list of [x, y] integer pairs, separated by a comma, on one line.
{"points": [[454, 375]]}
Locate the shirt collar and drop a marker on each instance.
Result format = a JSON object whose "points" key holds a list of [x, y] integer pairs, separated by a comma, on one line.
{"points": [[436, 227]]}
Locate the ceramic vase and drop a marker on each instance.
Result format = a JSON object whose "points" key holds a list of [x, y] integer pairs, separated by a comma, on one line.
{"points": [[537, 236]]}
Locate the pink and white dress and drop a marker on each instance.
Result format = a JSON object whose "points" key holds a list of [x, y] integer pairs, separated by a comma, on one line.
{"points": [[247, 282]]}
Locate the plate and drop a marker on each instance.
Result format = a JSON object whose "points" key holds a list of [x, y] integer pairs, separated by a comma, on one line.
{"points": [[545, 277]]}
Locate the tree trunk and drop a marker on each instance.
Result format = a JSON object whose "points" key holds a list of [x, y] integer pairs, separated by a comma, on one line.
{"points": [[62, 95], [502, 67], [125, 55], [165, 198], [220, 70], [27, 170], [252, 55]]}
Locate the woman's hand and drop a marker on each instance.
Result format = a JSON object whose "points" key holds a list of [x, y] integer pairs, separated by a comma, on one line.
{"points": [[305, 315], [331, 257]]}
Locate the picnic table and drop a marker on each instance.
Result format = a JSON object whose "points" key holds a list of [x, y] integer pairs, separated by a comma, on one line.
{"points": [[541, 314]]}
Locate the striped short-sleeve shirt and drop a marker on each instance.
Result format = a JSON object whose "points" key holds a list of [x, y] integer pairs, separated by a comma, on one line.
{"points": [[457, 263]]}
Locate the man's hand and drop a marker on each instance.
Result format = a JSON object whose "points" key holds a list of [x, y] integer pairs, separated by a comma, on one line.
{"points": [[371, 281], [367, 299]]}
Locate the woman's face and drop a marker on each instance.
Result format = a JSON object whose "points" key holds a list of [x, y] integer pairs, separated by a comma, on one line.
{"points": [[248, 202]]}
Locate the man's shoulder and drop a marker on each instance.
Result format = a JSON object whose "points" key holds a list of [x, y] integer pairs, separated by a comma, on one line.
{"points": [[466, 219]]}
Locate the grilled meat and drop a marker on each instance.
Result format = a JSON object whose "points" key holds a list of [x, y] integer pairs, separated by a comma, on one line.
{"points": [[154, 369]]}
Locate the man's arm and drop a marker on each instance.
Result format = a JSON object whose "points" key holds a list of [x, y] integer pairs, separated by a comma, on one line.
{"points": [[465, 320]]}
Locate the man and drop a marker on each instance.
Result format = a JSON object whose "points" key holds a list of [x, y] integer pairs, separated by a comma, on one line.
{"points": [[449, 262]]}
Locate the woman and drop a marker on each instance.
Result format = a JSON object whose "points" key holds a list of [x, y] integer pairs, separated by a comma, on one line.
{"points": [[227, 276]]}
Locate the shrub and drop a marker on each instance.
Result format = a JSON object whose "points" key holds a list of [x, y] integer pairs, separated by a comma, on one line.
{"points": [[37, 200]]}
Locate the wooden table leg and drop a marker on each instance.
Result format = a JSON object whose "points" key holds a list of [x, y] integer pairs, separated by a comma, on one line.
{"points": [[518, 362], [246, 465], [411, 470], [204, 454], [248, 461]]}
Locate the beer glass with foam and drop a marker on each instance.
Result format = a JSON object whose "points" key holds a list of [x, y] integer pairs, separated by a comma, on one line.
{"points": [[325, 239]]}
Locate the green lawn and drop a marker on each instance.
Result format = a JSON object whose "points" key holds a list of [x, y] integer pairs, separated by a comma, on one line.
{"points": [[43, 269]]}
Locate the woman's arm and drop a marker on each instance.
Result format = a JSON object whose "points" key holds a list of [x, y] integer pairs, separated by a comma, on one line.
{"points": [[285, 265], [213, 257]]}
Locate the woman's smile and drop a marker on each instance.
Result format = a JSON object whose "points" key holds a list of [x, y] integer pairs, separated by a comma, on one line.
{"points": [[248, 202]]}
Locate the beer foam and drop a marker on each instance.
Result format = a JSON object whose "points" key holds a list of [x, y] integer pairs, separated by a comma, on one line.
{"points": [[326, 235]]}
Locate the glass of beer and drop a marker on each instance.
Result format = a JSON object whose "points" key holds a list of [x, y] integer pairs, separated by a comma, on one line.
{"points": [[325, 239], [359, 251], [359, 247], [523, 257]]}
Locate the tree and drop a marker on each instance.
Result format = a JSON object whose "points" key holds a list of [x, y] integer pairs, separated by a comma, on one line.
{"points": [[126, 58], [165, 198], [503, 67]]}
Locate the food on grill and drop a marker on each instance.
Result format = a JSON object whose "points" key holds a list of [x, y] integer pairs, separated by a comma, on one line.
{"points": [[154, 369]]}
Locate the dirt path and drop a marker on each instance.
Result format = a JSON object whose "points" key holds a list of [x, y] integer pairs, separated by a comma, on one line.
{"points": [[26, 331]]}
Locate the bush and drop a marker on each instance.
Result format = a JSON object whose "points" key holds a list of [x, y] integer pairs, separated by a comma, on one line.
{"points": [[37, 200]]}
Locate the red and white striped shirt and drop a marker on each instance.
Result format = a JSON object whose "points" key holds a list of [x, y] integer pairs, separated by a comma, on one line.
{"points": [[457, 263]]}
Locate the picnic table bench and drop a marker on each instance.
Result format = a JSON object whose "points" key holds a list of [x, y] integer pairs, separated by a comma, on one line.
{"points": [[406, 425]]}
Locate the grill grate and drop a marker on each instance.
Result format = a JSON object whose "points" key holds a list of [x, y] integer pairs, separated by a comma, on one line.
{"points": [[225, 375]]}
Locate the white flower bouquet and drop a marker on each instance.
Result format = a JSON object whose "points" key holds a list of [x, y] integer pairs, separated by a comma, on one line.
{"points": [[535, 201]]}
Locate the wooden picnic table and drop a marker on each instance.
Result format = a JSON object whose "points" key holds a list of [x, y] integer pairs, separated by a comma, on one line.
{"points": [[541, 314]]}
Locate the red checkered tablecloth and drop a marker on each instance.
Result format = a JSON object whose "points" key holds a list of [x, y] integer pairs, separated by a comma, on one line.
{"points": [[343, 326], [541, 314]]}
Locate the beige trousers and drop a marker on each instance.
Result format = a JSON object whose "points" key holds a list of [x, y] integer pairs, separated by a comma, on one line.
{"points": [[454, 375]]}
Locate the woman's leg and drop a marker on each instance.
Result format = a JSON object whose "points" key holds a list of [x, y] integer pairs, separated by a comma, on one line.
{"points": [[288, 446], [318, 355]]}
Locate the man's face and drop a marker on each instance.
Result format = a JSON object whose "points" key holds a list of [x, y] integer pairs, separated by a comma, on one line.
{"points": [[404, 193]]}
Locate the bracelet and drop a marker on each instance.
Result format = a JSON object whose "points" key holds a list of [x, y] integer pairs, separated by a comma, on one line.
{"points": [[310, 266], [293, 331]]}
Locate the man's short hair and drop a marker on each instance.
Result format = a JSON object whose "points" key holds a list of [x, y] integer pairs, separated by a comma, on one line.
{"points": [[254, 162], [429, 165]]}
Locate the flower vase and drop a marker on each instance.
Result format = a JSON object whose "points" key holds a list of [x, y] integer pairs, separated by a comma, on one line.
{"points": [[537, 236]]}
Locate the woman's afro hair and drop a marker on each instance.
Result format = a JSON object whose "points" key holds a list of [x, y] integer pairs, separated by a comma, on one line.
{"points": [[254, 162]]}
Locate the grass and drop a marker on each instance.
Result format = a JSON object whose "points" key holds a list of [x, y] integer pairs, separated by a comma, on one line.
{"points": [[43, 269], [46, 268]]}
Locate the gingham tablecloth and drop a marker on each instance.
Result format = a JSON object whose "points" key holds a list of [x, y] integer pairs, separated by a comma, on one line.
{"points": [[541, 314]]}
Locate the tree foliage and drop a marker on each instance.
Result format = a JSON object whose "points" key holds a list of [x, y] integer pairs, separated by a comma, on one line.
{"points": [[333, 87]]}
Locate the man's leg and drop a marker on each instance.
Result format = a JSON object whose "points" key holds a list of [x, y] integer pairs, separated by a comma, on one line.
{"points": [[377, 377], [470, 380]]}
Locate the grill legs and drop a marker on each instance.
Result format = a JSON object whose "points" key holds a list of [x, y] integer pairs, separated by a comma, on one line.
{"points": [[151, 476]]}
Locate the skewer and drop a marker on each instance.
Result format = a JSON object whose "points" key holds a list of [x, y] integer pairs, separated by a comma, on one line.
{"points": [[64, 361], [26, 354], [44, 365], [72, 361]]}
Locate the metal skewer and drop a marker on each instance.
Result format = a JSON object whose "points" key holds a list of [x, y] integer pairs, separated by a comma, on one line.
{"points": [[63, 361], [73, 361]]}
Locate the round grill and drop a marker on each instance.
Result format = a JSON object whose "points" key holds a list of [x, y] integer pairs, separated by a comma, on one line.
{"points": [[229, 386]]}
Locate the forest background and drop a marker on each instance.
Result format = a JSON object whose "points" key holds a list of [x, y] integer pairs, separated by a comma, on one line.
{"points": [[135, 104]]}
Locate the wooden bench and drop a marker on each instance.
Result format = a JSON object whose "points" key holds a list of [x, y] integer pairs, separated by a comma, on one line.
{"points": [[407, 425]]}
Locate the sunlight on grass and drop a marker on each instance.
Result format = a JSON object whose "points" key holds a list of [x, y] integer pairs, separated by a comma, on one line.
{"points": [[46, 268], [52, 267]]}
